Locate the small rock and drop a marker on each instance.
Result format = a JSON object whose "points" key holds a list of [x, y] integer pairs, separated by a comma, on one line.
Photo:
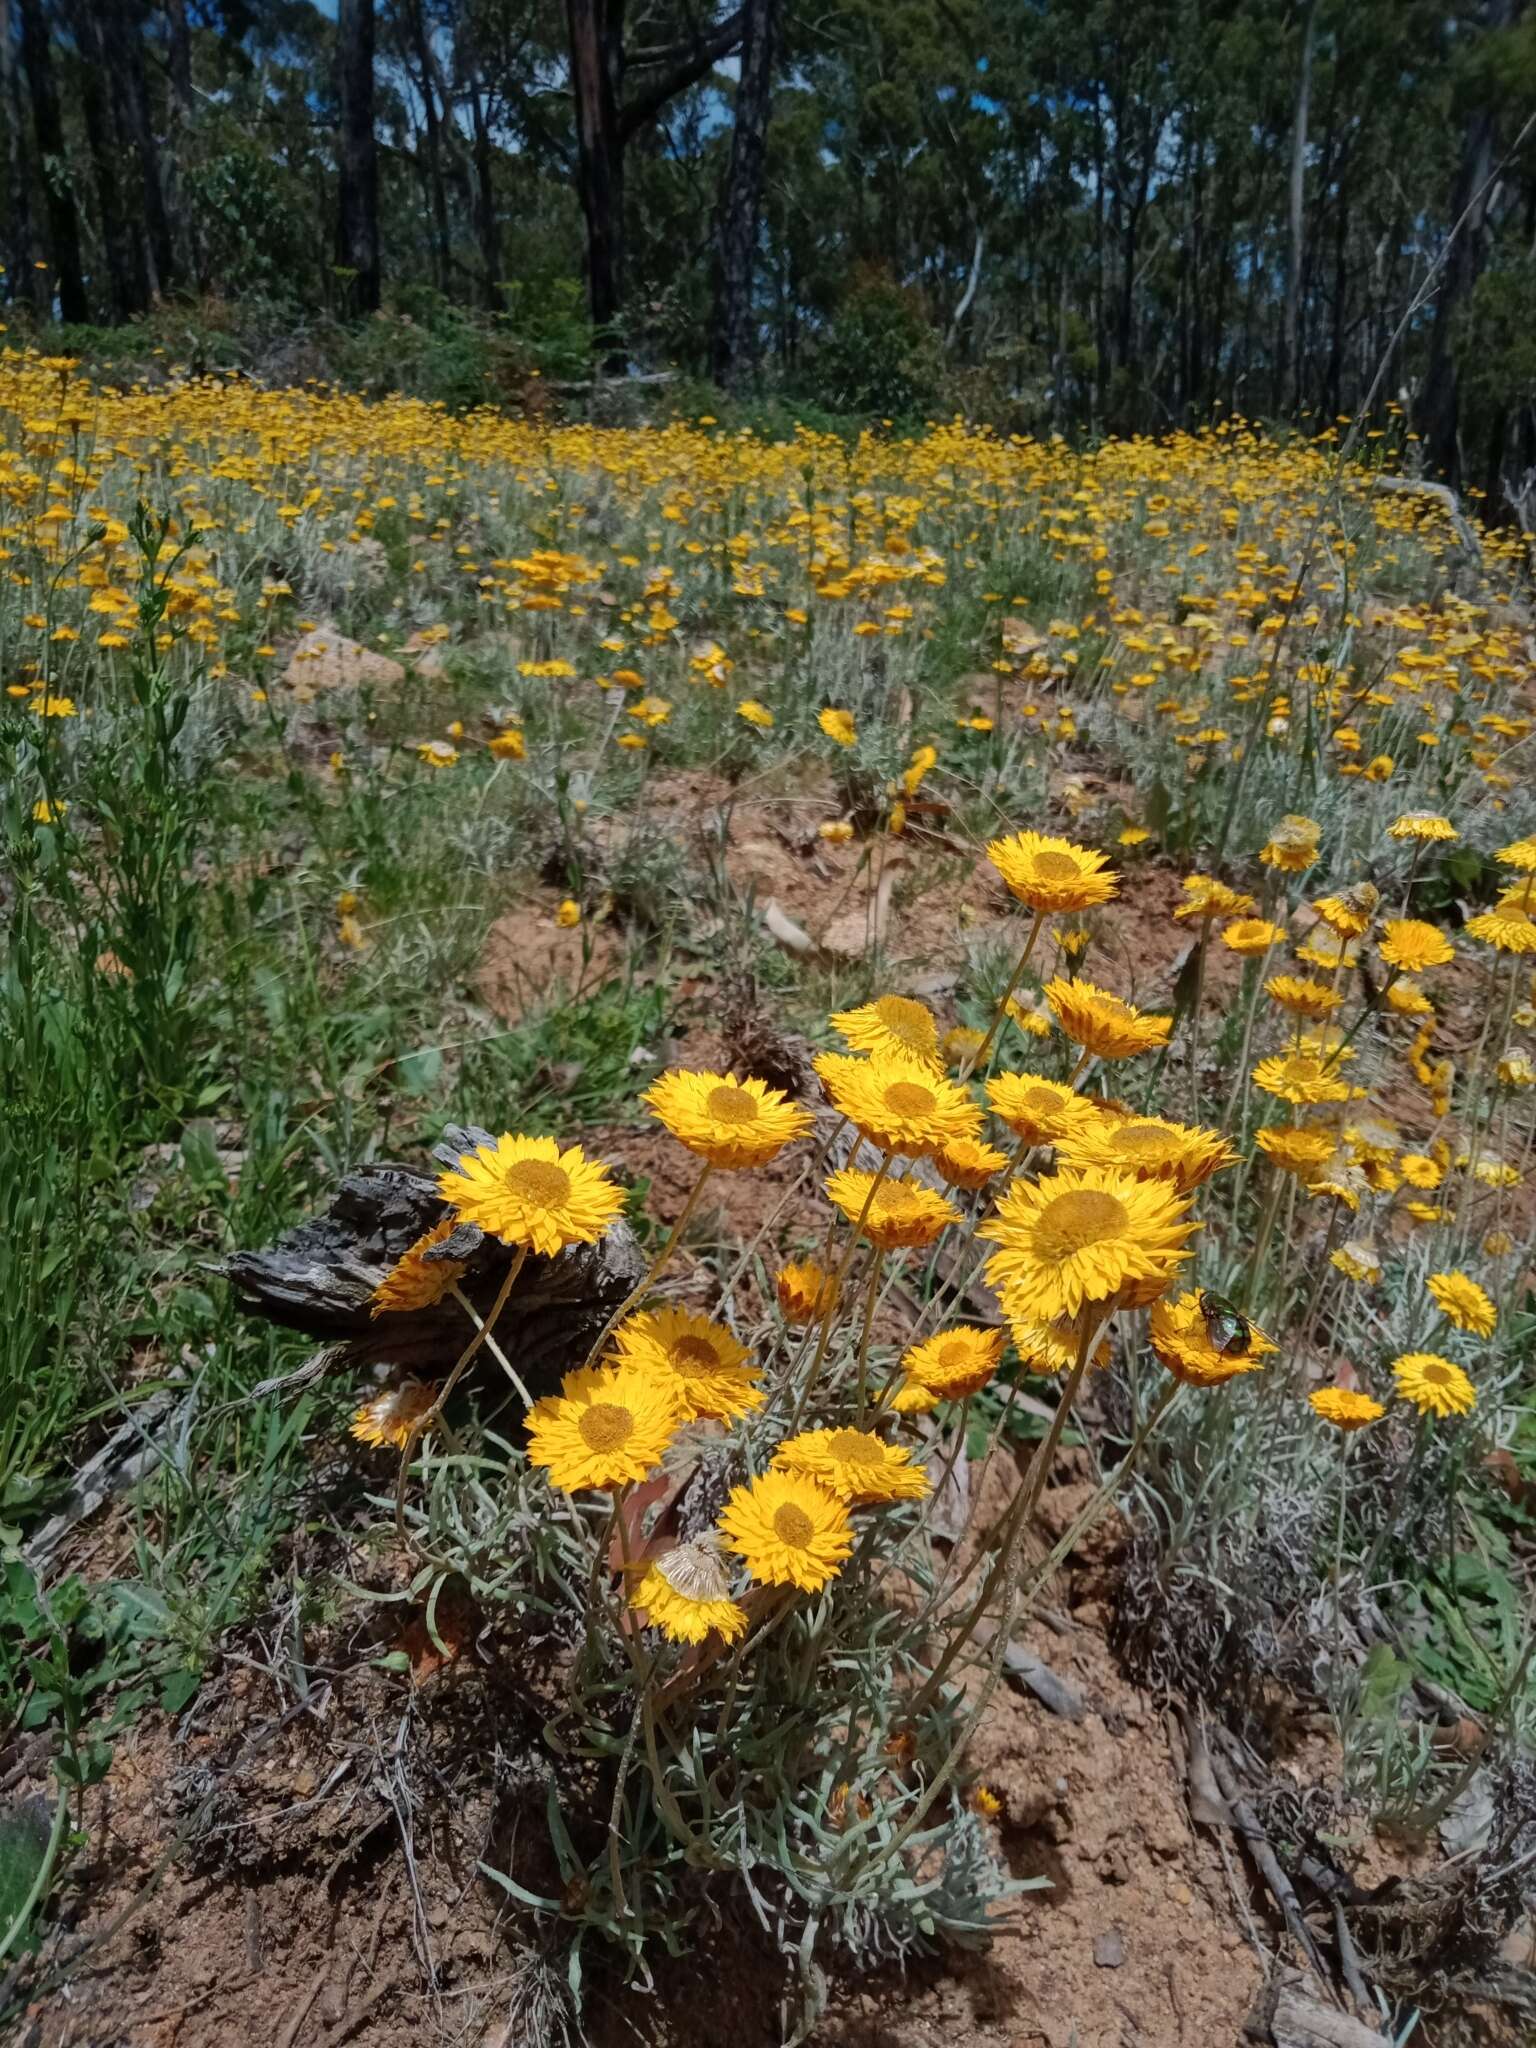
{"points": [[1109, 1949]]}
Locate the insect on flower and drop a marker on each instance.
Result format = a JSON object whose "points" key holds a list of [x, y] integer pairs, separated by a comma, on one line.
{"points": [[1230, 1331]]}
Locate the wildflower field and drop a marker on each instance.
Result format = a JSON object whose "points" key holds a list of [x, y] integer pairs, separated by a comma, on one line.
{"points": [[767, 1212]]}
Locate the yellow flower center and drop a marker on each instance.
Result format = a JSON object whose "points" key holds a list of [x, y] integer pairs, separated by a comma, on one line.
{"points": [[954, 1355], [1055, 867], [695, 1352], [1074, 1221], [730, 1105], [1436, 1375], [793, 1526], [1041, 1100], [906, 1020], [1145, 1141], [853, 1447], [538, 1182], [605, 1426], [910, 1098]]}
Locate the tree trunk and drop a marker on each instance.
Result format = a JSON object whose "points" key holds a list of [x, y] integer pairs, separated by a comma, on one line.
{"points": [[437, 190], [596, 29], [186, 234], [1288, 383], [487, 226], [1440, 417], [732, 337], [123, 40], [63, 221], [125, 273], [357, 155], [20, 247]]}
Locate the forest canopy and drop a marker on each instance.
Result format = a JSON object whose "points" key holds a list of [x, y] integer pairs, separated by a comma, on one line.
{"points": [[1119, 215]]}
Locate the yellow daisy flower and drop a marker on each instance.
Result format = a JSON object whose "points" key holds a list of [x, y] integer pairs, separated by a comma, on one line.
{"points": [[969, 1164], [839, 727], [1464, 1303], [901, 1213], [1046, 1349], [1509, 927], [807, 1292], [1521, 853], [1357, 1261], [1031, 1020], [608, 1426], [1410, 945], [1181, 1337], [897, 1026], [1101, 1023], [1350, 914], [789, 1530], [698, 1360], [730, 1123], [1300, 1078], [1302, 996], [1039, 1111], [900, 1105], [1423, 826], [1150, 1148], [953, 1363], [414, 1281], [389, 1416], [1052, 874], [526, 1191], [857, 1466], [1434, 1385], [1252, 935], [1420, 1171], [1085, 1238], [1209, 898], [1300, 1149], [1345, 1408], [754, 713], [686, 1594], [1292, 845], [1407, 999]]}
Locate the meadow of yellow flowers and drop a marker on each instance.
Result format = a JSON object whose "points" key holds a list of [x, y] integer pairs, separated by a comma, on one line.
{"points": [[1236, 1213]]}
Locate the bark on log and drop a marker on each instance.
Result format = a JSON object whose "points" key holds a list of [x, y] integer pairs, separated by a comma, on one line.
{"points": [[320, 1278]]}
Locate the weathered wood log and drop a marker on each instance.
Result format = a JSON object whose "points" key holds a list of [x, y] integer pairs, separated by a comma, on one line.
{"points": [[320, 1278]]}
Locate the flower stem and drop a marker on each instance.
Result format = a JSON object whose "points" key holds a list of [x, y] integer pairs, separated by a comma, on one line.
{"points": [[424, 1421], [969, 1066]]}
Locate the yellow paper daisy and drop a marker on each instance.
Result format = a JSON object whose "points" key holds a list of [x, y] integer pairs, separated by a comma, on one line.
{"points": [[1464, 1303], [1424, 826], [1300, 1149], [686, 1594], [1150, 1148], [857, 1466], [1509, 926], [1292, 845], [954, 1363], [414, 1281], [1350, 914], [1300, 1078], [1085, 1238], [894, 1025], [1181, 1337], [1039, 1111], [1302, 996], [526, 1191], [1410, 945], [700, 1363], [789, 1530], [1251, 935], [1046, 1349], [806, 1291], [899, 1105], [1357, 1260], [1206, 897], [730, 1123], [388, 1416], [1434, 1385], [901, 1213], [1052, 874], [1101, 1023], [1345, 1408], [969, 1164], [1521, 853], [608, 1426]]}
